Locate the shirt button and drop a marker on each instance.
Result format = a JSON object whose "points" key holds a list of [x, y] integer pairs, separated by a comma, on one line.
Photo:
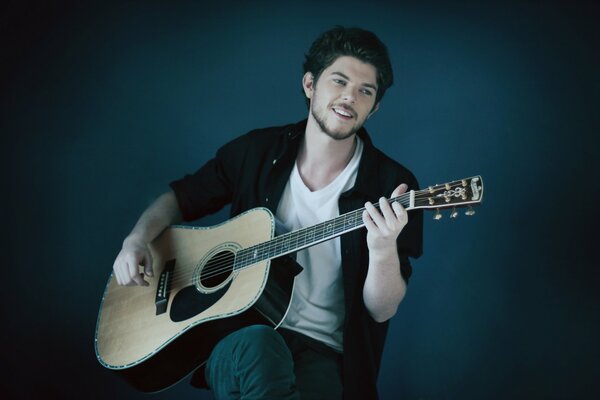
{"points": [[274, 161], [267, 199]]}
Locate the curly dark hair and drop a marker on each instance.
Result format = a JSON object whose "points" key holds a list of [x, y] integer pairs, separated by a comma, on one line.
{"points": [[354, 42]]}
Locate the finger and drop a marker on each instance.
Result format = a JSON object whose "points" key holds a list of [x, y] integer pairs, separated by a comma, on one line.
{"points": [[388, 213], [401, 214], [119, 276], [116, 272], [148, 264], [138, 279], [376, 216], [123, 270], [399, 210], [116, 276], [134, 272], [402, 188], [369, 224], [130, 272]]}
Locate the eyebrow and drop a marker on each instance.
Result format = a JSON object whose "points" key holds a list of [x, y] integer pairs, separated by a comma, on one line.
{"points": [[369, 85]]}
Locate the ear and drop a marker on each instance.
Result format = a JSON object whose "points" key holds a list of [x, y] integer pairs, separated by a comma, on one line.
{"points": [[308, 84], [375, 108]]}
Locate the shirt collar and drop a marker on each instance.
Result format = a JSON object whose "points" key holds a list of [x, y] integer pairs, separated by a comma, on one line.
{"points": [[366, 180]]}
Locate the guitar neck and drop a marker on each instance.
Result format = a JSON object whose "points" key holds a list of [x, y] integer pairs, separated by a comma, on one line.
{"points": [[454, 194], [294, 241]]}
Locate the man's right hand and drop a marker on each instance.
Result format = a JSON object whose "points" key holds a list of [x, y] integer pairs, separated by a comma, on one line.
{"points": [[134, 253]]}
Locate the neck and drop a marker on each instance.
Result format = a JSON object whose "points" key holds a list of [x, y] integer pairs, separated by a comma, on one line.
{"points": [[320, 158], [320, 150]]}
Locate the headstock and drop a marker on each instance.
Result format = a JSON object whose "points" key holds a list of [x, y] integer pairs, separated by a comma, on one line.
{"points": [[461, 193]]}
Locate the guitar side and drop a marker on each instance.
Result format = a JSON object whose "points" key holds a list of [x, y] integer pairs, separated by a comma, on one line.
{"points": [[142, 342]]}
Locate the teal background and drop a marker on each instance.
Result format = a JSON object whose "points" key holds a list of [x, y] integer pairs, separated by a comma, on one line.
{"points": [[104, 104]]}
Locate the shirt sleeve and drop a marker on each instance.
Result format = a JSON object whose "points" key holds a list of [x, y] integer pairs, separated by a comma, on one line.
{"points": [[211, 187], [405, 268], [410, 240]]}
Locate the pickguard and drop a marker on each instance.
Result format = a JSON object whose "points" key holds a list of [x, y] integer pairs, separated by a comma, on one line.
{"points": [[189, 302]]}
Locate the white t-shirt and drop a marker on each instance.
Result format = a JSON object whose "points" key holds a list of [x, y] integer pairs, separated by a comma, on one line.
{"points": [[317, 306]]}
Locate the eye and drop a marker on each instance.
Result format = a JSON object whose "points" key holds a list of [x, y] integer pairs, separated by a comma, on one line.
{"points": [[367, 92], [339, 82]]}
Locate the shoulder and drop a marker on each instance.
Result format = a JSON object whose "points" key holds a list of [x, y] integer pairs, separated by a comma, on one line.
{"points": [[267, 135], [261, 138], [389, 173], [395, 167]]}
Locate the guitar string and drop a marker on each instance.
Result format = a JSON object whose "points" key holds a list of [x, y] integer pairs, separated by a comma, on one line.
{"points": [[327, 229], [224, 267], [340, 225], [420, 195], [186, 277]]}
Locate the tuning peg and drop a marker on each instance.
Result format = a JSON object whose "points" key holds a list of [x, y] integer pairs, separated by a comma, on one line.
{"points": [[470, 211], [454, 213], [438, 215]]}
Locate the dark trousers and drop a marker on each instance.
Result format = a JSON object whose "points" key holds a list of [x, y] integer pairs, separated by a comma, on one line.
{"points": [[258, 362]]}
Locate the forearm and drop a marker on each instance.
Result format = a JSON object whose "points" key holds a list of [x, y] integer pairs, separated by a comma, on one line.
{"points": [[135, 251], [162, 213], [384, 286]]}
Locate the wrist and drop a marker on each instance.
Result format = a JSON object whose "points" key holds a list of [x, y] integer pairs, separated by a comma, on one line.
{"points": [[134, 239], [383, 250]]}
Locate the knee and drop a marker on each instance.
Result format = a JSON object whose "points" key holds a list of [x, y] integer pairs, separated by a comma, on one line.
{"points": [[256, 362], [259, 336], [260, 344]]}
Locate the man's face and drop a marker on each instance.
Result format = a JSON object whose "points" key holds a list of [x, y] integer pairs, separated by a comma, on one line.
{"points": [[343, 97]]}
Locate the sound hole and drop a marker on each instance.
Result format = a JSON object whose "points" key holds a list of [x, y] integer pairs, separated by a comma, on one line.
{"points": [[217, 269]]}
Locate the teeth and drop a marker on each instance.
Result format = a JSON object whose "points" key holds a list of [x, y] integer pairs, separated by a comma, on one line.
{"points": [[344, 113]]}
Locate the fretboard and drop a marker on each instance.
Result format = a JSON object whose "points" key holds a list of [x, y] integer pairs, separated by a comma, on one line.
{"points": [[302, 238]]}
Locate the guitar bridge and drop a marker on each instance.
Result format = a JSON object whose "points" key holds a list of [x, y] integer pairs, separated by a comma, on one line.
{"points": [[164, 288]]}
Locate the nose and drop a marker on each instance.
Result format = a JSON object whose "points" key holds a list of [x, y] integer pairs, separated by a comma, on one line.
{"points": [[348, 94]]}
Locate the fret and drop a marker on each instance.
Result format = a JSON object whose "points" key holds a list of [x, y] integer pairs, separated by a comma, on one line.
{"points": [[465, 192]]}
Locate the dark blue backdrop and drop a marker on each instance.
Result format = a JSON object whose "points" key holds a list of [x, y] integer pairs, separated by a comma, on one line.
{"points": [[104, 105]]}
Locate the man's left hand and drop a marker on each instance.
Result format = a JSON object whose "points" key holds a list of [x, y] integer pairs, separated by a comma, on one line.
{"points": [[385, 225]]}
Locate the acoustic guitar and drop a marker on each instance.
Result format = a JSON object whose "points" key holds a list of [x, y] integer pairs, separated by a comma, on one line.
{"points": [[211, 281]]}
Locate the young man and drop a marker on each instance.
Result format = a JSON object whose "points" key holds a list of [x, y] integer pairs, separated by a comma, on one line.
{"points": [[330, 343]]}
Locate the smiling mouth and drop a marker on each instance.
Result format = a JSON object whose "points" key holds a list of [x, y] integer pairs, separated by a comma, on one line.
{"points": [[342, 113]]}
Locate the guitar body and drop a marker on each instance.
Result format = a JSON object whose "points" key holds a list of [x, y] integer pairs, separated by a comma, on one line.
{"points": [[212, 281], [154, 336]]}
